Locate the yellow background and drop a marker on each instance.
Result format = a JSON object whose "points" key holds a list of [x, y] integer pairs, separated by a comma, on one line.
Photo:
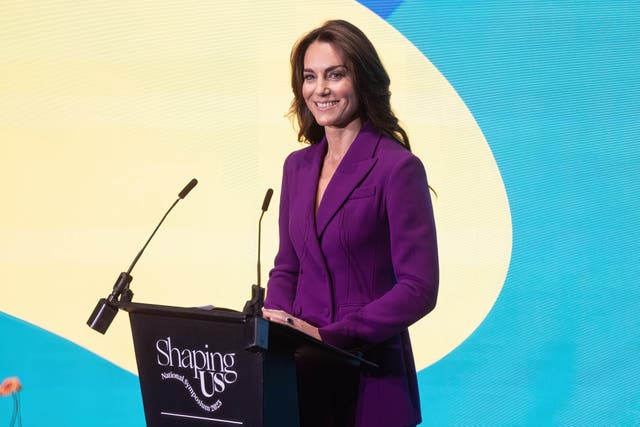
{"points": [[108, 108]]}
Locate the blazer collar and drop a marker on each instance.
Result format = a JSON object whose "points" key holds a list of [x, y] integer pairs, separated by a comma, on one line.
{"points": [[354, 167]]}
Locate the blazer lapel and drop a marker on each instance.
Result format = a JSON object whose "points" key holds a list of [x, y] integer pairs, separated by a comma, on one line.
{"points": [[308, 188], [312, 162], [353, 168]]}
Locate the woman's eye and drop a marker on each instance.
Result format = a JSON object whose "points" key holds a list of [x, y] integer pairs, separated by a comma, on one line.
{"points": [[308, 77], [336, 76]]}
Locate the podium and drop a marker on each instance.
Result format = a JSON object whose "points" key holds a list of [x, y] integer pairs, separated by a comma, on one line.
{"points": [[219, 367]]}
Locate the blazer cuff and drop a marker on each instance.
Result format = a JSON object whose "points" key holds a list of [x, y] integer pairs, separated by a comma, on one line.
{"points": [[335, 335]]}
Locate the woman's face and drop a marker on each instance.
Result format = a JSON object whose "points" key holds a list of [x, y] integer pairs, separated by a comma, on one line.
{"points": [[327, 86]]}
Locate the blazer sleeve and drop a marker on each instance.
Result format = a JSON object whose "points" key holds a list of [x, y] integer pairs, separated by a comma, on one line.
{"points": [[414, 256], [283, 278]]}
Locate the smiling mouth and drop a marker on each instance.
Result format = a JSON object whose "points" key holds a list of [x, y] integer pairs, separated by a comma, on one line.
{"points": [[326, 104]]}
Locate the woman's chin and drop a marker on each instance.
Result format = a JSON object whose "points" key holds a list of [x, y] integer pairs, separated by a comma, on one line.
{"points": [[336, 123]]}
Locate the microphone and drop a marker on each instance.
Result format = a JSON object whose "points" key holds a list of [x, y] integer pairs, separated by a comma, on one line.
{"points": [[187, 188], [265, 206], [107, 308], [267, 200], [253, 307]]}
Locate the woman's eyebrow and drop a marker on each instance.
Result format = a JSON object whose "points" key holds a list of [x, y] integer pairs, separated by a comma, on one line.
{"points": [[331, 68], [336, 67]]}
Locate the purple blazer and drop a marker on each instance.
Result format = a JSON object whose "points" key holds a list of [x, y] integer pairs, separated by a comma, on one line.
{"points": [[363, 268]]}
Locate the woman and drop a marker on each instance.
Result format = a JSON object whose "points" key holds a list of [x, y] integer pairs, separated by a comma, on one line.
{"points": [[357, 262]]}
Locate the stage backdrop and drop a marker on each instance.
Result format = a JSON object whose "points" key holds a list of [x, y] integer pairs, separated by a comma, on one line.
{"points": [[525, 115]]}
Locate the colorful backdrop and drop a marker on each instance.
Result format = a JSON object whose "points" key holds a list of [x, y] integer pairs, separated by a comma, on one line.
{"points": [[524, 113]]}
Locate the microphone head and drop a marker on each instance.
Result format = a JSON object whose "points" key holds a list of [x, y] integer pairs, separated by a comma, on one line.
{"points": [[267, 200], [102, 316], [188, 188]]}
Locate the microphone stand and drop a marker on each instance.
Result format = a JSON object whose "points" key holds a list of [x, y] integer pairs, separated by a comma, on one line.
{"points": [[253, 307], [107, 308]]}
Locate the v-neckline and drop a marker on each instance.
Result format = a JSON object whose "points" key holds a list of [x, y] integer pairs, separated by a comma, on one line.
{"points": [[318, 200]]}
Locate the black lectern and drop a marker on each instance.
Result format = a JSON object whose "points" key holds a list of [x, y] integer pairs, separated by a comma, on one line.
{"points": [[220, 367]]}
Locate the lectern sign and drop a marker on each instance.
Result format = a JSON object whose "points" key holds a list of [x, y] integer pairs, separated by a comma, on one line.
{"points": [[196, 372], [204, 372]]}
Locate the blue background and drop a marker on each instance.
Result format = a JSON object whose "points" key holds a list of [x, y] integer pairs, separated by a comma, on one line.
{"points": [[554, 87]]}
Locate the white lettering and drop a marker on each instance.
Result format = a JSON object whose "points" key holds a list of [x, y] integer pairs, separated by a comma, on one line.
{"points": [[215, 370]]}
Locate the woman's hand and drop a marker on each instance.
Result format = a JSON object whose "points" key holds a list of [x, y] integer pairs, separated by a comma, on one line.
{"points": [[285, 318]]}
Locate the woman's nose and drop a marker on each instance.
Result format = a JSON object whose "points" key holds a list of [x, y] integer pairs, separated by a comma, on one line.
{"points": [[322, 88]]}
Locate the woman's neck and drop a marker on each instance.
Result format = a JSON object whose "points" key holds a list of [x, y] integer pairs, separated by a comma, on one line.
{"points": [[339, 139]]}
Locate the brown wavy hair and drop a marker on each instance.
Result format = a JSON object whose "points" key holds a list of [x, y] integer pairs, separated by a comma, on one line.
{"points": [[370, 79]]}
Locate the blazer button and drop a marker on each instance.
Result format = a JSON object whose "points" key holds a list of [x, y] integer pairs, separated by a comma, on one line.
{"points": [[325, 311]]}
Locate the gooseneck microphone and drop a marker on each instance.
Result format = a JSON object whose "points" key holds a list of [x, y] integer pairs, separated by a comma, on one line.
{"points": [[107, 308], [181, 196], [253, 307], [265, 206]]}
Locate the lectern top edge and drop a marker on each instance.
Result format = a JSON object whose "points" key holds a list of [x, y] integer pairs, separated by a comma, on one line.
{"points": [[299, 341], [219, 314]]}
